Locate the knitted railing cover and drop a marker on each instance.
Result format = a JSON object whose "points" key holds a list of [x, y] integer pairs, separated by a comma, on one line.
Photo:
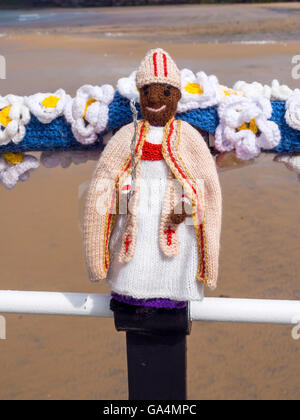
{"points": [[58, 136], [290, 138]]}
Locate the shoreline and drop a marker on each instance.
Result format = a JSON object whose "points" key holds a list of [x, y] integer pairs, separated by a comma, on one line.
{"points": [[225, 50], [93, 60], [204, 22]]}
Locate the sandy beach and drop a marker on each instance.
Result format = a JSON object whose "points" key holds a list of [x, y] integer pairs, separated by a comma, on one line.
{"points": [[77, 358]]}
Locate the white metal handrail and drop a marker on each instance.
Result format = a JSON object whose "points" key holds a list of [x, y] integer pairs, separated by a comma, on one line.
{"points": [[97, 305]]}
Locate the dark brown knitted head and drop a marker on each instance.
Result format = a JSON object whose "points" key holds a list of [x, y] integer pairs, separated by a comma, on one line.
{"points": [[159, 103]]}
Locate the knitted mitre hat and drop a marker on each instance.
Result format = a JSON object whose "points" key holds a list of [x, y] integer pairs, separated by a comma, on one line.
{"points": [[158, 67]]}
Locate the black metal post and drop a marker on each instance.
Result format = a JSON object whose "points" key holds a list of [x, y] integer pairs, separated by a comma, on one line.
{"points": [[156, 366], [156, 350]]}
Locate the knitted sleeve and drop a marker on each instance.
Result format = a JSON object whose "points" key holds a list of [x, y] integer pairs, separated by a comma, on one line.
{"points": [[98, 211], [203, 169]]}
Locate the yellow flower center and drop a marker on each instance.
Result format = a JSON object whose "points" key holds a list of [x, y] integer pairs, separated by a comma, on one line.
{"points": [[229, 92], [50, 102], [249, 126], [13, 158], [88, 104], [4, 116], [194, 89]]}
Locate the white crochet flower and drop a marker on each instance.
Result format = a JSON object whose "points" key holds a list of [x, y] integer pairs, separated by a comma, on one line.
{"points": [[88, 112], [127, 87], [198, 91], [292, 114], [253, 90], [281, 92], [14, 115], [14, 168], [244, 126], [65, 159], [48, 106]]}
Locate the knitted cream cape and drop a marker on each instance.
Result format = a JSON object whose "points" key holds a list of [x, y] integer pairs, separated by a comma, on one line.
{"points": [[189, 160]]}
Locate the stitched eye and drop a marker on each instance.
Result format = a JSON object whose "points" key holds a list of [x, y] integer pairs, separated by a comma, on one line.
{"points": [[146, 90], [167, 92]]}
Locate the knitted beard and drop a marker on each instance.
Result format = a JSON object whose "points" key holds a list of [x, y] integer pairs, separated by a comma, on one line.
{"points": [[159, 96]]}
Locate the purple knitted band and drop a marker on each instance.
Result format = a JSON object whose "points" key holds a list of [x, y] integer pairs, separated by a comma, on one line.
{"points": [[154, 303]]}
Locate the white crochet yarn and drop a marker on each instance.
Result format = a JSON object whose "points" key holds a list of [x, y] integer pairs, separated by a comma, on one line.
{"points": [[88, 112], [253, 90], [127, 87], [65, 159], [14, 115], [10, 174], [292, 114], [276, 91], [48, 106], [200, 91], [226, 91], [281, 92], [232, 133]]}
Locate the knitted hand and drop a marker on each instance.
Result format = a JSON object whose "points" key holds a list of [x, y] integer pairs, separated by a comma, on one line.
{"points": [[181, 211]]}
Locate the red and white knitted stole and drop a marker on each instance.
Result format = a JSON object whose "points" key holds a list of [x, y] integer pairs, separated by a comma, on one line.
{"points": [[130, 231], [168, 235]]}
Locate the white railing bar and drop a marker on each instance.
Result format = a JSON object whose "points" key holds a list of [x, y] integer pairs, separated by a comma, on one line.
{"points": [[54, 303], [258, 311], [97, 305]]}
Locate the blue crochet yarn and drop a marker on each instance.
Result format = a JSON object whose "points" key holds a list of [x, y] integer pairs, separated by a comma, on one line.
{"points": [[205, 119], [208, 120], [290, 138], [120, 113], [58, 136]]}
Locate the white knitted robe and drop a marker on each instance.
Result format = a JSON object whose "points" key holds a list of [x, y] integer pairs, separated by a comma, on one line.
{"points": [[151, 274]]}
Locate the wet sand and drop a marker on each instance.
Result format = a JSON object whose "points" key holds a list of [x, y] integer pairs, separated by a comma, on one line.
{"points": [[77, 358], [199, 23]]}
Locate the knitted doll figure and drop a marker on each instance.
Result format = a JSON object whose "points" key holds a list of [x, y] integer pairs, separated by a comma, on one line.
{"points": [[166, 247]]}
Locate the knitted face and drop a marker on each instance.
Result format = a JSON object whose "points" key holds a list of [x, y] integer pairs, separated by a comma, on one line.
{"points": [[159, 103]]}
